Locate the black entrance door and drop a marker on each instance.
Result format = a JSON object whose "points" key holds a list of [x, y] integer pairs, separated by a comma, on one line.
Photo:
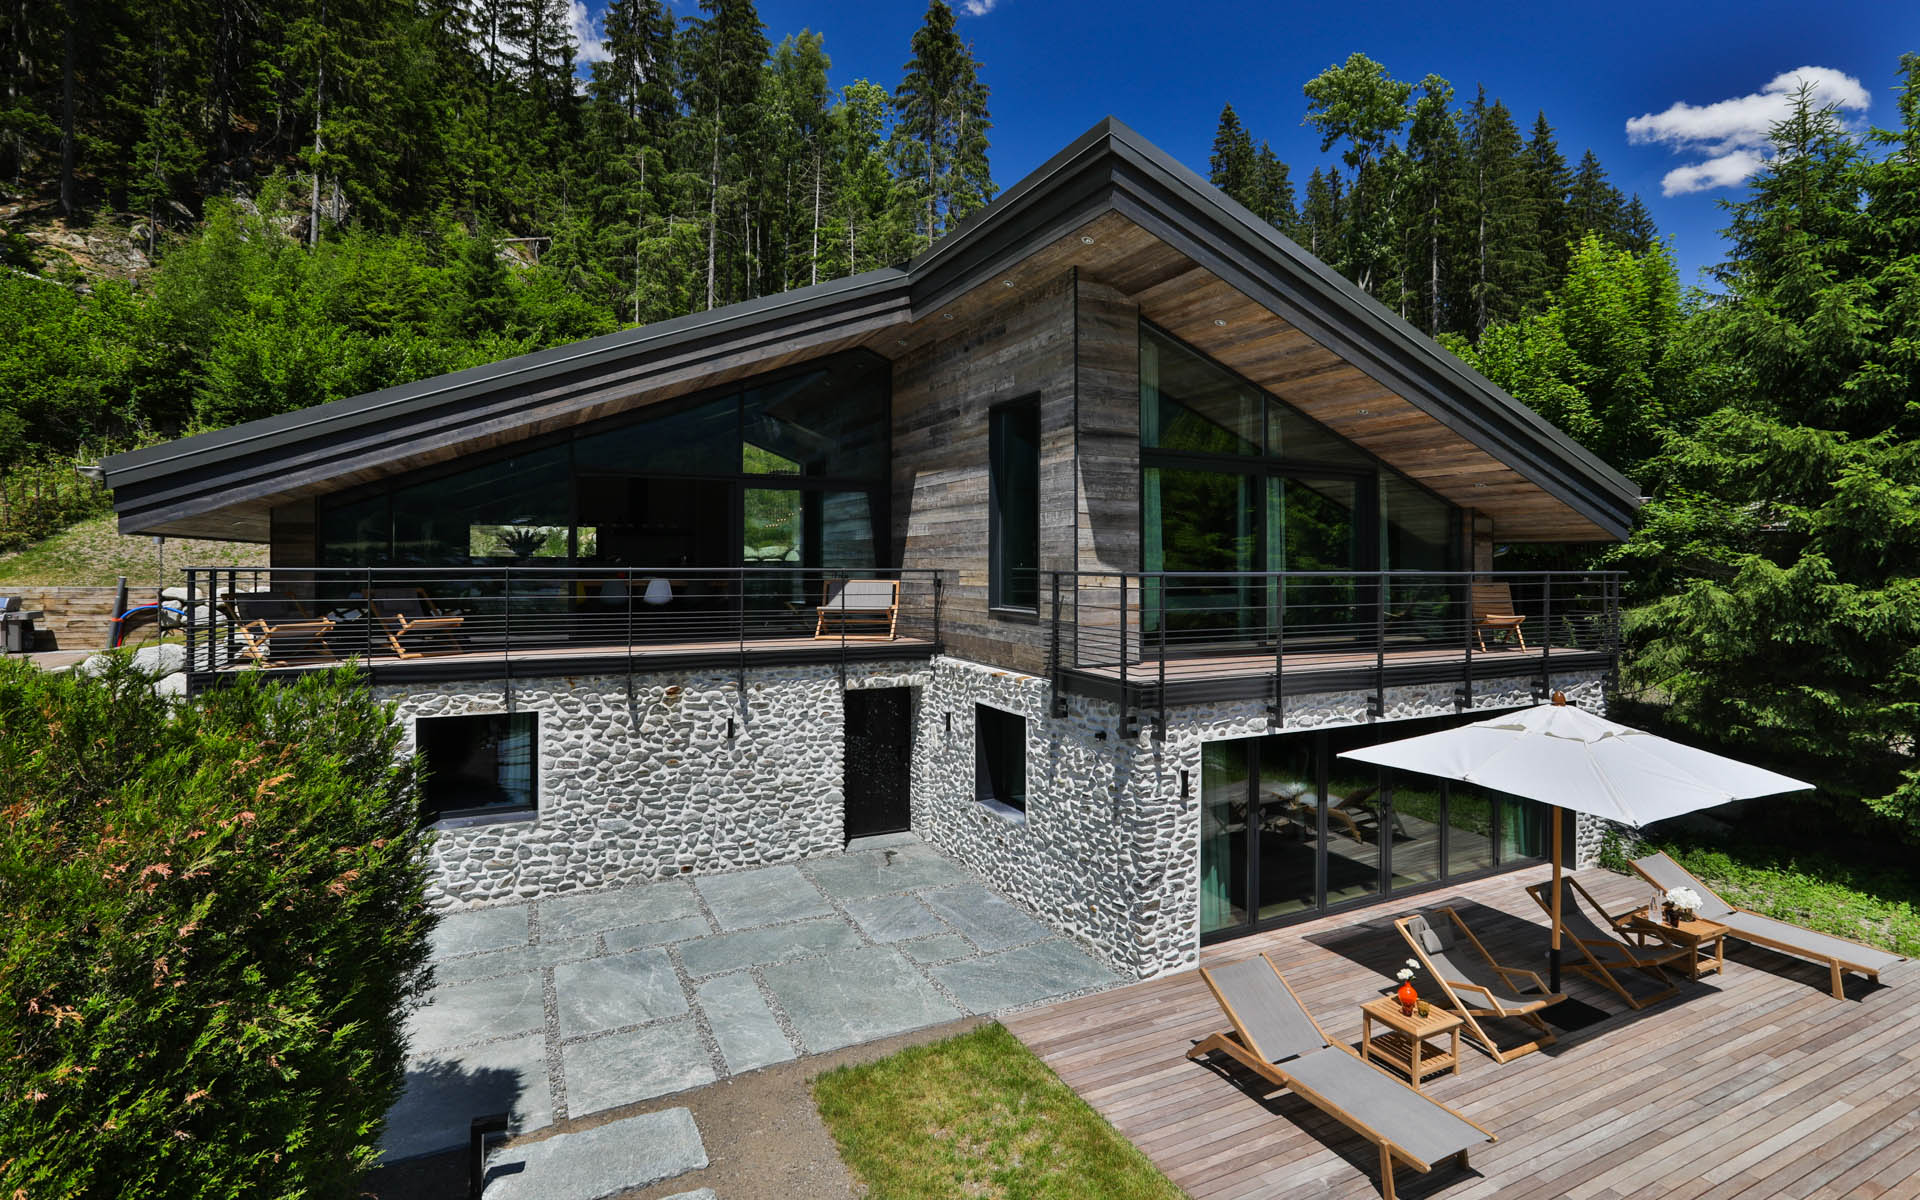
{"points": [[879, 759]]}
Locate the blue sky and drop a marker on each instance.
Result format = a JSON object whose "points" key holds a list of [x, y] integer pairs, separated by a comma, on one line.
{"points": [[1057, 66]]}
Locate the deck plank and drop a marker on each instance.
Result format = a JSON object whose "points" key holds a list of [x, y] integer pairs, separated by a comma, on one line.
{"points": [[1755, 1083]]}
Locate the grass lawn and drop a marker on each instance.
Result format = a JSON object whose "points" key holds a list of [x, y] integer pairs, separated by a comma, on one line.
{"points": [[93, 553], [1877, 906], [978, 1116]]}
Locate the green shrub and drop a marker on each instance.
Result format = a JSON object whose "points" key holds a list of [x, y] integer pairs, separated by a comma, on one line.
{"points": [[214, 925], [38, 499]]}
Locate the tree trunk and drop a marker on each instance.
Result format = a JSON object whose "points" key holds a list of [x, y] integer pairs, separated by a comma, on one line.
{"points": [[319, 106], [69, 202], [813, 255], [713, 206]]}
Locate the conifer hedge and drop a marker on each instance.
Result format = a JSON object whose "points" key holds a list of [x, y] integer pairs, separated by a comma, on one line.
{"points": [[213, 922]]}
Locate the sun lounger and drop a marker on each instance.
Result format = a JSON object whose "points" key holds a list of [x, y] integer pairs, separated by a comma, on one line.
{"points": [[1474, 985], [1839, 954], [1276, 1038], [270, 621], [1608, 955], [406, 615]]}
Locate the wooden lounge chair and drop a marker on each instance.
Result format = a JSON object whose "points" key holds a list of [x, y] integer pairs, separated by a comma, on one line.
{"points": [[1839, 954], [1608, 955], [262, 618], [1457, 963], [405, 615], [1276, 1038], [1493, 609], [860, 602]]}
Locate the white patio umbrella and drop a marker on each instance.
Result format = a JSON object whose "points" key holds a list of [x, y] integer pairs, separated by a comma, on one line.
{"points": [[1571, 759]]}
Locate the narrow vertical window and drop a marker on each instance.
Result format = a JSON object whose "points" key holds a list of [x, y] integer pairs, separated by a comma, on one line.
{"points": [[1000, 759], [1014, 498]]}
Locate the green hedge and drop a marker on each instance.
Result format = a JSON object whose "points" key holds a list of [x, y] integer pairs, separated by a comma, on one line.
{"points": [[214, 924]]}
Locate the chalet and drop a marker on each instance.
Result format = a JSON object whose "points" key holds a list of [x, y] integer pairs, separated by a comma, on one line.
{"points": [[1079, 545]]}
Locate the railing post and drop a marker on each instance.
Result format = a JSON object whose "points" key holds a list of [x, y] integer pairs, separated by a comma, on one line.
{"points": [[1126, 710], [1465, 600], [506, 633], [233, 642], [1379, 644], [1546, 633], [1160, 598], [939, 645], [367, 617], [1057, 705], [1279, 707], [191, 660]]}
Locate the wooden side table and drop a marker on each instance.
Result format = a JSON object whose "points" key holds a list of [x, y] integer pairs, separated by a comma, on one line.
{"points": [[1404, 1045], [1694, 935]]}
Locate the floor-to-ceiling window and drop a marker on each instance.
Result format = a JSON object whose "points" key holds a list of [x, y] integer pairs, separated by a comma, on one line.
{"points": [[1288, 829]]}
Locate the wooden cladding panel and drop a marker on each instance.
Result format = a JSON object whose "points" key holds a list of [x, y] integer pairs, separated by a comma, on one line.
{"points": [[1108, 430]]}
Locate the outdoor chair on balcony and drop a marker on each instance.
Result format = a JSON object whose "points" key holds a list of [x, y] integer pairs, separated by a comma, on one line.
{"points": [[408, 617], [1276, 1038], [1838, 954], [1609, 957], [867, 604], [275, 629], [1475, 986], [1493, 609]]}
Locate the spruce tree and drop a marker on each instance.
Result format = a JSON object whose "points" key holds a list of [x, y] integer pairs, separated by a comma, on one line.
{"points": [[1232, 167], [727, 53], [940, 130], [1637, 232], [1273, 191], [1550, 181], [1594, 205], [1506, 259], [1359, 103], [1434, 198]]}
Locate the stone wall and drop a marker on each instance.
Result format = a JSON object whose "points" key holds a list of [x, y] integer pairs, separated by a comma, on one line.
{"points": [[646, 784]]}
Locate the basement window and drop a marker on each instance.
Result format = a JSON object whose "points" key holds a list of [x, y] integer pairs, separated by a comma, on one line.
{"points": [[479, 768], [1000, 760]]}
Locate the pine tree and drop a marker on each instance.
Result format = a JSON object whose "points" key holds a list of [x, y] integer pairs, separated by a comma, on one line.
{"points": [[1322, 213], [1550, 181], [1359, 103], [1273, 192], [1637, 232], [1594, 205], [1506, 256], [726, 56], [941, 124], [1433, 148], [1232, 166]]}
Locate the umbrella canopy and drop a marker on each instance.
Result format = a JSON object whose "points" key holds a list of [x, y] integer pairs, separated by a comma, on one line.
{"points": [[1567, 756], [1572, 759]]}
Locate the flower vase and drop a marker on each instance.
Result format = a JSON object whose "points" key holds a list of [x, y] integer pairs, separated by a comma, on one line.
{"points": [[1407, 997], [1673, 915]]}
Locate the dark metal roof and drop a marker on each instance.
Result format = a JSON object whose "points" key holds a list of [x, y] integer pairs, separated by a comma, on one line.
{"points": [[1110, 168]]}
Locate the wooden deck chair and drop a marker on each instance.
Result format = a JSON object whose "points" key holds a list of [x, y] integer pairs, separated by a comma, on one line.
{"points": [[1276, 1038], [406, 614], [1474, 985], [261, 618], [1493, 609], [1839, 955], [860, 602], [1357, 812], [1608, 955]]}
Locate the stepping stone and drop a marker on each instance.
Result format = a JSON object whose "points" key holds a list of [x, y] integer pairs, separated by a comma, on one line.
{"points": [[446, 1091], [509, 962], [595, 912], [621, 1068], [1012, 977], [879, 872], [742, 1023], [854, 996], [657, 933], [894, 918], [762, 897], [476, 1012], [480, 929], [775, 943], [988, 921], [625, 989], [596, 1163], [936, 949]]}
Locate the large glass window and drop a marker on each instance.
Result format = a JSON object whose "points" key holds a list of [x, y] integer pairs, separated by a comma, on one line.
{"points": [[478, 765], [1187, 403], [1014, 499], [510, 511]]}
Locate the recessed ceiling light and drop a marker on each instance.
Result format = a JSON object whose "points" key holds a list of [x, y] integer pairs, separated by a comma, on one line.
{"points": [[1366, 412], [1220, 323], [1006, 283], [899, 341], [1085, 240], [1479, 485], [946, 316]]}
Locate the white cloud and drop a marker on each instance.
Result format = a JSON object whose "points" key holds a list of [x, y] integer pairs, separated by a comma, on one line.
{"points": [[978, 8], [1732, 133], [586, 33]]}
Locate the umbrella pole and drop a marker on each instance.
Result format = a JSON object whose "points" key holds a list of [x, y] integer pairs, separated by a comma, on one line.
{"points": [[1553, 957]]}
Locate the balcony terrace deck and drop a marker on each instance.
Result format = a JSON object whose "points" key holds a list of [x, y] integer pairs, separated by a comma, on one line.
{"points": [[1754, 1083]]}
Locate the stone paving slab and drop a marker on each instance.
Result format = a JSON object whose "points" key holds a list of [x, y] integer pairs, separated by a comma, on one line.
{"points": [[622, 1068], [1014, 977], [988, 921], [765, 896], [857, 876], [775, 943], [656, 933], [596, 912], [623, 989], [445, 1091], [513, 961], [479, 1011], [854, 996], [938, 948], [894, 918], [480, 929], [742, 1024], [599, 1162], [696, 1194]]}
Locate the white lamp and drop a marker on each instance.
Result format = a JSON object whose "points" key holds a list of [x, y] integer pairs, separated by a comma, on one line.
{"points": [[658, 592]]}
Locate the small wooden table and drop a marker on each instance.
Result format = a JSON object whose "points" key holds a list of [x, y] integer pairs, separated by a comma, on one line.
{"points": [[1405, 1044], [1693, 934]]}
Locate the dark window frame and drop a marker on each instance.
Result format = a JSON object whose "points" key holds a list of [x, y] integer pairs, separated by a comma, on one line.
{"points": [[999, 738], [1004, 595], [451, 815]]}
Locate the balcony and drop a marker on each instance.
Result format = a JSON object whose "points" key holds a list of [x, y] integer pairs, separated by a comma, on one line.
{"points": [[416, 624], [1154, 639]]}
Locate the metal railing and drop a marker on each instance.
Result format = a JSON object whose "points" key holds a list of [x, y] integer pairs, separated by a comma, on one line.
{"points": [[307, 616], [1148, 630]]}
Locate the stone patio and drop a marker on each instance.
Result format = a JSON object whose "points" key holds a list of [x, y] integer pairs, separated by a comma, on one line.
{"points": [[561, 1007]]}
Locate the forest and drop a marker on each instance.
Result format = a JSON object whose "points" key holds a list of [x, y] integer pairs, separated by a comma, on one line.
{"points": [[323, 197]]}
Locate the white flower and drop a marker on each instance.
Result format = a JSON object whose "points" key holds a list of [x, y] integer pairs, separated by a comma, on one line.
{"points": [[1403, 974], [1683, 897], [1414, 963]]}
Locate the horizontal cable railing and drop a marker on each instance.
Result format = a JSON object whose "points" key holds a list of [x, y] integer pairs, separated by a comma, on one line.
{"points": [[1153, 628], [308, 616]]}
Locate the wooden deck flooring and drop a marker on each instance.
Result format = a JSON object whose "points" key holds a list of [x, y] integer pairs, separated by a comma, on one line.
{"points": [[1755, 1083]]}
